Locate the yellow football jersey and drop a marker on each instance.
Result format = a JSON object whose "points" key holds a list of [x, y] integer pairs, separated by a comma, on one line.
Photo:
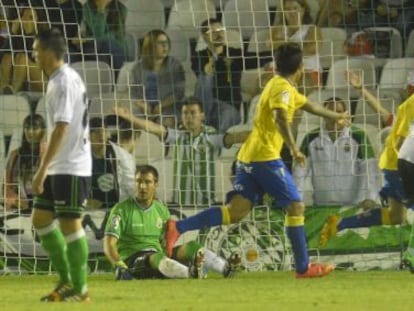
{"points": [[405, 114], [265, 142]]}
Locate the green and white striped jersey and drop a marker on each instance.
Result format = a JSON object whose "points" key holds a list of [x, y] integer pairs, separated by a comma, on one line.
{"points": [[194, 160], [137, 229]]}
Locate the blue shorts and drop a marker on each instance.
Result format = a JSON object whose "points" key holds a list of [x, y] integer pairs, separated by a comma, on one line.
{"points": [[393, 186], [255, 179]]}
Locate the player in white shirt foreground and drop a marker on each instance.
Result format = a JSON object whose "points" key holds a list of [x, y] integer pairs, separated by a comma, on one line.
{"points": [[62, 181]]}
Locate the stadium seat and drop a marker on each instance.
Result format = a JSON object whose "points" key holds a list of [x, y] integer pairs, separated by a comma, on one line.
{"points": [[394, 73], [396, 40], [259, 41], [98, 76], [249, 83], [180, 44], [189, 14], [165, 167], [246, 16], [336, 74], [124, 78], [332, 45], [148, 148], [14, 109], [102, 105], [409, 49], [144, 15]]}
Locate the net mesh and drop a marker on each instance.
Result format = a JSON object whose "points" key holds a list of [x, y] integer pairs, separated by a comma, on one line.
{"points": [[195, 172]]}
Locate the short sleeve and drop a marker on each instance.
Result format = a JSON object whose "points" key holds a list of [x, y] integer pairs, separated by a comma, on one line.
{"points": [[280, 99], [300, 100], [114, 225]]}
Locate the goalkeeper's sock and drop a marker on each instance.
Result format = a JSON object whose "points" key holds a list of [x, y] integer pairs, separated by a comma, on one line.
{"points": [[213, 216], [169, 267], [77, 253], [53, 242], [374, 217], [214, 262], [295, 230]]}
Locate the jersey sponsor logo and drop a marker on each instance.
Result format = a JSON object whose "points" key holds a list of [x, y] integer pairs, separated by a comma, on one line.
{"points": [[285, 97], [115, 222]]}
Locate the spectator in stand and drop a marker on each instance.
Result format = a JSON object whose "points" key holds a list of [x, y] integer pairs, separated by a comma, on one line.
{"points": [[121, 133], [298, 27], [18, 65], [338, 13], [218, 69], [104, 21], [23, 162], [163, 79], [340, 160], [196, 147], [113, 170]]}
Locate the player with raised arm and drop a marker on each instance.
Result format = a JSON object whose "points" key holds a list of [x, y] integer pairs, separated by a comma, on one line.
{"points": [[260, 168], [62, 181]]}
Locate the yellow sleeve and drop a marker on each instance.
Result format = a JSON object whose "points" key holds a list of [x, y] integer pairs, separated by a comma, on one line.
{"points": [[404, 119], [279, 98], [300, 100]]}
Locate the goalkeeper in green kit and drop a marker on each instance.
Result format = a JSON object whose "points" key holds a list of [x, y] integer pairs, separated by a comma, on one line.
{"points": [[134, 235]]}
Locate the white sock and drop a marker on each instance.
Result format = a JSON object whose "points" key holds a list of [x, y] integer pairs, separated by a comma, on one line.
{"points": [[173, 269], [213, 261]]}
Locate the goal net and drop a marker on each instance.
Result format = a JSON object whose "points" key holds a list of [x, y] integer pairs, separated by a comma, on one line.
{"points": [[148, 59]]}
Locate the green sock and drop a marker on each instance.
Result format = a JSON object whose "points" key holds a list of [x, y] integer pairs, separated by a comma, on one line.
{"points": [[53, 242], [78, 261]]}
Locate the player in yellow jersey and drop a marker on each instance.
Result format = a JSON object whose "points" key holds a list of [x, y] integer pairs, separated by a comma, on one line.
{"points": [[260, 168], [392, 190]]}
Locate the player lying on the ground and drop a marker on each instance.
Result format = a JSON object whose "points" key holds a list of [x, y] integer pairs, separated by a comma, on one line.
{"points": [[134, 234]]}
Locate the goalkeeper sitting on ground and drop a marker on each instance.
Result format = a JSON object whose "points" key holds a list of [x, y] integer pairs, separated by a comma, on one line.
{"points": [[133, 237]]}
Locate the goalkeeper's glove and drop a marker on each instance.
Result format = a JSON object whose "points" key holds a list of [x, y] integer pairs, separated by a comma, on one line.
{"points": [[121, 271]]}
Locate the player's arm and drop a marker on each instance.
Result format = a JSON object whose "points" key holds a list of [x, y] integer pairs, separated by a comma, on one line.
{"points": [[56, 141], [355, 79], [111, 252], [285, 130], [230, 139], [110, 249], [140, 123], [319, 110]]}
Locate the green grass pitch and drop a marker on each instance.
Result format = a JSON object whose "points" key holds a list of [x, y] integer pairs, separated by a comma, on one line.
{"points": [[342, 290]]}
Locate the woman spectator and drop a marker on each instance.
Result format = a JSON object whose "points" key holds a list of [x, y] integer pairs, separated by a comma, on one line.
{"points": [[104, 21], [162, 77], [298, 27], [18, 65], [23, 162]]}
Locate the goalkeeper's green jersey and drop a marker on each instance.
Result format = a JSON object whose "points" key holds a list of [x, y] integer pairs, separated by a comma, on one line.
{"points": [[137, 229]]}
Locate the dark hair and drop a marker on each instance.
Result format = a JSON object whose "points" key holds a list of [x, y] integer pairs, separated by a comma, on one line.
{"points": [[148, 46], [192, 100], [52, 39], [288, 58], [205, 25], [147, 169], [29, 153], [334, 100], [96, 123]]}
